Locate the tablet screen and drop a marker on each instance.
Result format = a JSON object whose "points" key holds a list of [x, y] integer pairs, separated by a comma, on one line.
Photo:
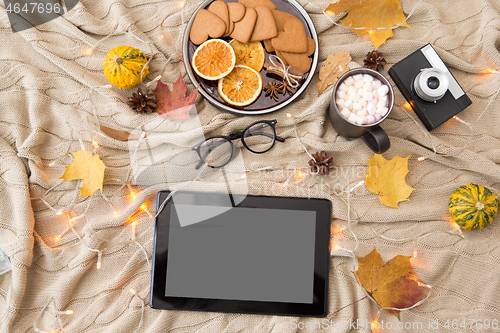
{"points": [[248, 254], [240, 253]]}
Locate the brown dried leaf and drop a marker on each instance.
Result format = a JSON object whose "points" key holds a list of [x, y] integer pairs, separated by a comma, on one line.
{"points": [[334, 67], [174, 104], [119, 135], [392, 284]]}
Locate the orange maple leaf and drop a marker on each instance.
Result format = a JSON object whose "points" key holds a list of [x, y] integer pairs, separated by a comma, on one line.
{"points": [[393, 284], [371, 14], [174, 104]]}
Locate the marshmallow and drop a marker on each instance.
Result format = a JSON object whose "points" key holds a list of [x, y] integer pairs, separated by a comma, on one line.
{"points": [[383, 98], [381, 104], [349, 81], [351, 90], [340, 103], [345, 113], [356, 107], [368, 87], [348, 104], [359, 84], [354, 97], [362, 112], [341, 94], [377, 117], [370, 119], [360, 91], [376, 84], [382, 111], [343, 87], [367, 96], [367, 78], [361, 121], [373, 101], [352, 118], [383, 90], [357, 77], [375, 94], [371, 109], [363, 103]]}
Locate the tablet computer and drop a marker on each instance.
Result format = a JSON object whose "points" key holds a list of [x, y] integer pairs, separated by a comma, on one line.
{"points": [[245, 254]]}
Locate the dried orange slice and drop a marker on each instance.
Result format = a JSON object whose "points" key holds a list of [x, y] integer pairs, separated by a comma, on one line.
{"points": [[213, 59], [250, 54], [241, 87]]}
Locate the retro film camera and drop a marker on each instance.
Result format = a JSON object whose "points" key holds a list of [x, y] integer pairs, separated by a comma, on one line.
{"points": [[429, 87]]}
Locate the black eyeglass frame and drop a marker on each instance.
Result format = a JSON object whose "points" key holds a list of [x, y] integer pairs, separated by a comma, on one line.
{"points": [[234, 136]]}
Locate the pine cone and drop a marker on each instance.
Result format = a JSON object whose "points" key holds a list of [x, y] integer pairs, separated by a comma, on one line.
{"points": [[142, 102], [322, 163], [374, 60]]}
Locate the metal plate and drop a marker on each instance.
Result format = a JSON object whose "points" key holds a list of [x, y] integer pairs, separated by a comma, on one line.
{"points": [[263, 104]]}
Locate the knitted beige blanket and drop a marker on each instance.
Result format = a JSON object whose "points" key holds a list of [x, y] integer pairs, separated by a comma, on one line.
{"points": [[53, 99]]}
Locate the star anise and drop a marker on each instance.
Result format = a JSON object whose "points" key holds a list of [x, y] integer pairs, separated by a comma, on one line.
{"points": [[374, 60], [142, 102], [322, 163], [285, 86], [272, 89]]}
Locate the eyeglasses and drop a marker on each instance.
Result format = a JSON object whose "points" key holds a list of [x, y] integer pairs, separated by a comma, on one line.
{"points": [[216, 151]]}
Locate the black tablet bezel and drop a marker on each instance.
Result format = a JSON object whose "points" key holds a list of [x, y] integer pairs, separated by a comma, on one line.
{"points": [[318, 308]]}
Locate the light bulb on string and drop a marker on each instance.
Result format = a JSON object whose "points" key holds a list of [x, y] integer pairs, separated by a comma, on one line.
{"points": [[181, 4], [407, 106], [88, 50], [67, 312], [131, 191], [490, 71], [95, 144], [115, 213], [99, 260]]}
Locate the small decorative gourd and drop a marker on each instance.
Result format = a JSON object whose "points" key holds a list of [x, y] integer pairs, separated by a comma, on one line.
{"points": [[123, 66], [473, 206]]}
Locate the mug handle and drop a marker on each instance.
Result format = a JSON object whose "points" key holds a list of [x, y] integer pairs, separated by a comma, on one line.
{"points": [[377, 140]]}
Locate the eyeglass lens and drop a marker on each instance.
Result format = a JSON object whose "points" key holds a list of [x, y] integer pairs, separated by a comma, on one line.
{"points": [[259, 137], [216, 152]]}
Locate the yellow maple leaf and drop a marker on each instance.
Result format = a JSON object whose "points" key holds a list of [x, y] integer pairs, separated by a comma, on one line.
{"points": [[392, 284], [387, 179], [371, 14], [88, 167]]}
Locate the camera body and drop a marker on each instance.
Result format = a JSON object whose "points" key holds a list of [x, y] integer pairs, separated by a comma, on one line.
{"points": [[430, 88]]}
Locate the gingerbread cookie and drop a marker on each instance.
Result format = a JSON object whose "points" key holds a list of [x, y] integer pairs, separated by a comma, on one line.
{"points": [[282, 57], [300, 61], [244, 28], [293, 38], [206, 24], [254, 3], [220, 9], [269, 47], [265, 27], [281, 18], [236, 13]]}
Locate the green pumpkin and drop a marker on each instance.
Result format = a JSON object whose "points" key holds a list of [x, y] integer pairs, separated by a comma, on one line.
{"points": [[473, 207]]}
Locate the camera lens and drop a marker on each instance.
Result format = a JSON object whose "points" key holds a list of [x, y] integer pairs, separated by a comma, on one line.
{"points": [[433, 82]]}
